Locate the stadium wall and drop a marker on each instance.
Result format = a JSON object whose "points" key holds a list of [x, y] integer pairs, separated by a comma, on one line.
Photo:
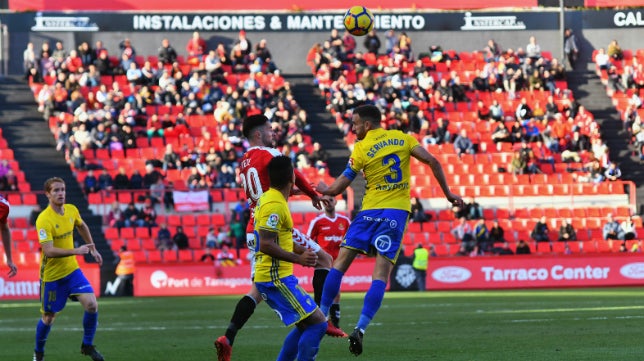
{"points": [[451, 273], [291, 35]]}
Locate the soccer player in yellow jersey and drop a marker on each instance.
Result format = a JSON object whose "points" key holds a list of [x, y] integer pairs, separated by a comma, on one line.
{"points": [[384, 158], [60, 275], [274, 258]]}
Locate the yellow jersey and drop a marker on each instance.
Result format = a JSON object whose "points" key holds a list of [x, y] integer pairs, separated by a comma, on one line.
{"points": [[272, 214], [384, 158], [59, 229]]}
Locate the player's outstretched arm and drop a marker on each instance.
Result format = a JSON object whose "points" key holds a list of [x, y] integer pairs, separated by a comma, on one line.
{"points": [[424, 156], [338, 186], [304, 186]]}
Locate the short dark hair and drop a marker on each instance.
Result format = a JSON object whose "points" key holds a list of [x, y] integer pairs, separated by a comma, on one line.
{"points": [[253, 122], [369, 113], [280, 171]]}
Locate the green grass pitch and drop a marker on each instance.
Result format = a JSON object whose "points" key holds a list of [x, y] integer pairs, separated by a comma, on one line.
{"points": [[579, 324]]}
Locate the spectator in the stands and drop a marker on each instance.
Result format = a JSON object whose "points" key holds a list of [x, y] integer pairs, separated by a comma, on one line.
{"points": [[615, 51], [77, 159], [566, 231], [496, 233], [473, 209], [4, 167], [29, 59], [59, 54], [60, 98], [390, 41], [593, 172], [612, 231], [121, 180], [613, 173], [127, 137], [417, 211], [132, 216], [518, 164], [628, 229], [90, 184], [73, 62], [157, 192], [492, 51], [180, 239], [463, 144], [196, 46], [103, 64], [602, 60], [532, 131], [523, 111], [462, 232], [105, 181], [540, 232], [115, 216], [542, 154], [458, 90], [151, 175], [226, 258], [319, 156], [496, 110], [372, 42], [481, 237], [227, 176], [517, 131], [166, 53], [136, 180], [99, 137], [500, 135], [164, 238], [523, 247], [128, 54], [439, 133], [615, 79], [148, 213]]}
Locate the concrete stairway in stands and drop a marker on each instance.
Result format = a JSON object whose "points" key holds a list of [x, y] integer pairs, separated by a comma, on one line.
{"points": [[324, 129], [591, 93], [29, 136]]}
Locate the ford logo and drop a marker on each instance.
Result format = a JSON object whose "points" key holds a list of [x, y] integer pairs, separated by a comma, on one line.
{"points": [[451, 274], [633, 270]]}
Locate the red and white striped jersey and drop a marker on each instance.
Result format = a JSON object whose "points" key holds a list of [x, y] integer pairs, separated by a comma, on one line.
{"points": [[253, 173]]}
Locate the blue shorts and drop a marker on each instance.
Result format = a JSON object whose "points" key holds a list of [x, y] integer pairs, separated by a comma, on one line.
{"points": [[54, 294], [377, 229], [291, 303]]}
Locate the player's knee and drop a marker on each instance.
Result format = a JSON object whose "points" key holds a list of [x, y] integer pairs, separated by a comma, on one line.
{"points": [[48, 318], [91, 307]]}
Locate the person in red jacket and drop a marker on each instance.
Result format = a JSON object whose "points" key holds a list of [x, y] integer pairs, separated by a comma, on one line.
{"points": [[196, 46]]}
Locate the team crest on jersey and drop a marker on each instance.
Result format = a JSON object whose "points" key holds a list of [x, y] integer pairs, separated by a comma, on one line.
{"points": [[273, 220], [42, 234], [341, 227]]}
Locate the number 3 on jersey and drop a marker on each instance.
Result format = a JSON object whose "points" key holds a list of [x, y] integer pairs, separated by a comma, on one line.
{"points": [[393, 162]]}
